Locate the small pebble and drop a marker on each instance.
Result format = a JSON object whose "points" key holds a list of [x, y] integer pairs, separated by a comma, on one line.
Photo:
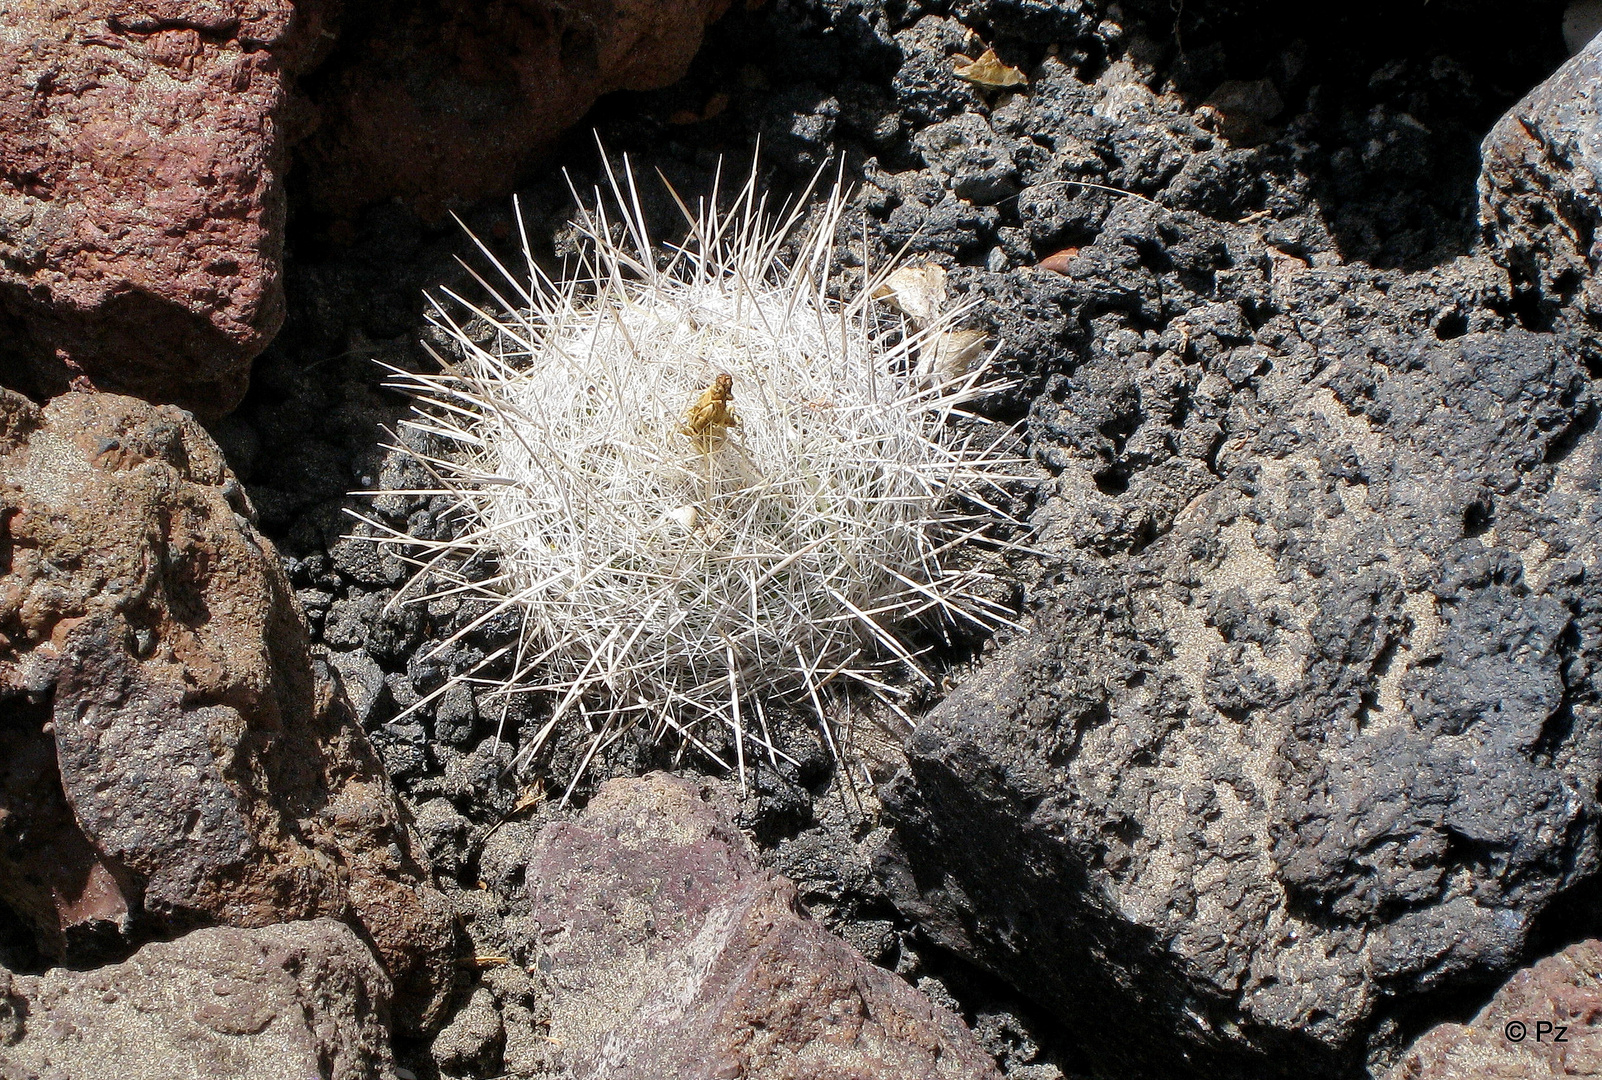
{"points": [[1058, 262]]}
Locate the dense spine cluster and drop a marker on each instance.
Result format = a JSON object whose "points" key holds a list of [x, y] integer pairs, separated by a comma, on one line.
{"points": [[706, 483]]}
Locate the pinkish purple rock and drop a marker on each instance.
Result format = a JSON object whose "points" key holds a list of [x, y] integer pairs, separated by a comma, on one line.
{"points": [[673, 953]]}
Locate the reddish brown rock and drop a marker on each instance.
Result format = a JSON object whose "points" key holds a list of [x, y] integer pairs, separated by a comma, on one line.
{"points": [[142, 148], [1517, 1036], [672, 953], [171, 755], [452, 100], [279, 1003], [1059, 261]]}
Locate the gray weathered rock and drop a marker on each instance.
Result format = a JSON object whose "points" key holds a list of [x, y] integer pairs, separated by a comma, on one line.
{"points": [[968, 157], [287, 1001], [1331, 738], [471, 1044], [670, 952], [362, 679], [1541, 190]]}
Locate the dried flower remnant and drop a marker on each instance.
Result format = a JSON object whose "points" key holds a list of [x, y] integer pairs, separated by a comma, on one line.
{"points": [[709, 419]]}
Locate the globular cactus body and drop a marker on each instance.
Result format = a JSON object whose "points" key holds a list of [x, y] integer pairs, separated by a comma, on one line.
{"points": [[705, 482]]}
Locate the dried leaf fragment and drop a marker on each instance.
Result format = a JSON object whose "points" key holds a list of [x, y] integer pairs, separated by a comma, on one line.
{"points": [[989, 71], [918, 292], [956, 351], [530, 798]]}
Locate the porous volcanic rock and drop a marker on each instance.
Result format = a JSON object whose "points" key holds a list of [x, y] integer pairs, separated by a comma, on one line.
{"points": [[142, 150], [670, 952], [1544, 1021], [294, 1000], [171, 752], [1310, 723], [441, 103], [1541, 191]]}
